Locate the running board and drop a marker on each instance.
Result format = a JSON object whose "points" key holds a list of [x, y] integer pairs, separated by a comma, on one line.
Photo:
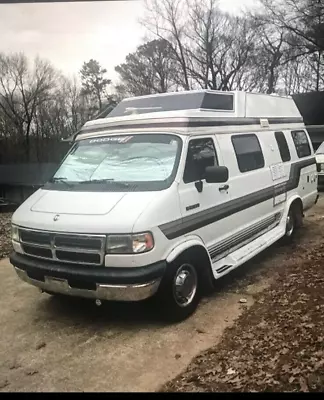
{"points": [[245, 253], [223, 268]]}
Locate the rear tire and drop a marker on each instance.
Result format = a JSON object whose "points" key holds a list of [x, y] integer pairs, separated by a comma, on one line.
{"points": [[290, 224], [293, 222], [179, 292]]}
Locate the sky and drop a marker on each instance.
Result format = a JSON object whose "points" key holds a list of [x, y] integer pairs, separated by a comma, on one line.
{"points": [[67, 34]]}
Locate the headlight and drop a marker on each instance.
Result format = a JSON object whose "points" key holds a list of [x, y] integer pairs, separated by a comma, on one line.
{"points": [[129, 244], [14, 233]]}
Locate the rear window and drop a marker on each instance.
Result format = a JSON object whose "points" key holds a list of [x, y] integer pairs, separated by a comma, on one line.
{"points": [[301, 143], [283, 146], [248, 152]]}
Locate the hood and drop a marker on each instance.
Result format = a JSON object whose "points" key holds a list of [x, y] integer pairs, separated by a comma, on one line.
{"points": [[83, 212], [77, 203]]}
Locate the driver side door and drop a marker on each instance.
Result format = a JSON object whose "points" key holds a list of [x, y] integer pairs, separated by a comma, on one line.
{"points": [[201, 201]]}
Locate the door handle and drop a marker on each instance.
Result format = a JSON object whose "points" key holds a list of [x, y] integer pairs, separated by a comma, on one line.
{"points": [[223, 188]]}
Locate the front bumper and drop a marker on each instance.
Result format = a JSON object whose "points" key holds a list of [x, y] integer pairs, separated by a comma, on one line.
{"points": [[104, 283]]}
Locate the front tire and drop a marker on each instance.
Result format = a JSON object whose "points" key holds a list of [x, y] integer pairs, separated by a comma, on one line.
{"points": [[179, 293]]}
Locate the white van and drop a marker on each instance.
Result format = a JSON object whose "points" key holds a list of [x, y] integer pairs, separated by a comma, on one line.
{"points": [[319, 155], [164, 196]]}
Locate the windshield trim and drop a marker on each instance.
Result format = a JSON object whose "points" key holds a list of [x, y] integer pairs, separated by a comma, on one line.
{"points": [[111, 186]]}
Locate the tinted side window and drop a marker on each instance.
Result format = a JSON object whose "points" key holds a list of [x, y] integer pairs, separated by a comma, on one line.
{"points": [[201, 154], [218, 101], [248, 152], [283, 146], [301, 143]]}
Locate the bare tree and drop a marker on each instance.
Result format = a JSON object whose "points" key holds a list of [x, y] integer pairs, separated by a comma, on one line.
{"points": [[237, 52], [150, 69], [315, 62], [39, 107], [211, 48], [166, 20], [296, 77], [271, 53], [22, 89], [204, 29], [302, 22], [302, 19]]}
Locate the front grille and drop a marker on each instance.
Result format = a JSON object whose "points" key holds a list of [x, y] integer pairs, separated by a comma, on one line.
{"points": [[87, 258], [75, 249], [35, 237], [78, 242], [37, 251]]}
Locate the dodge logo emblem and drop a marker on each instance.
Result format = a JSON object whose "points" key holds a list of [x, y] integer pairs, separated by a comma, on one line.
{"points": [[56, 217]]}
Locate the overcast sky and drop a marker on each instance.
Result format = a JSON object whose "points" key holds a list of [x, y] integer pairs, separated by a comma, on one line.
{"points": [[69, 33]]}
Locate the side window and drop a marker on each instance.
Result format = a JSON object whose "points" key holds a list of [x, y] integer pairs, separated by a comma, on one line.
{"points": [[301, 143], [283, 146], [201, 154], [248, 152]]}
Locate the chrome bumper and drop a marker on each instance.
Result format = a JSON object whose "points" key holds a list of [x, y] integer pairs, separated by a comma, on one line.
{"points": [[129, 292]]}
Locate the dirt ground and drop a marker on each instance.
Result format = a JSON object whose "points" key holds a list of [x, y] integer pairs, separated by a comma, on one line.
{"points": [[278, 344], [261, 330], [5, 227]]}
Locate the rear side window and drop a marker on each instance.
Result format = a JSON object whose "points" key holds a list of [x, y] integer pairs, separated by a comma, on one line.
{"points": [[283, 146], [301, 143], [248, 152]]}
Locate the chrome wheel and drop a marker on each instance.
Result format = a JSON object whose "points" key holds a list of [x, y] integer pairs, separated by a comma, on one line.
{"points": [[290, 224], [185, 285]]}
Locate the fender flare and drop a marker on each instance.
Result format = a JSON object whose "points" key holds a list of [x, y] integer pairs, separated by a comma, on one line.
{"points": [[289, 203], [180, 247]]}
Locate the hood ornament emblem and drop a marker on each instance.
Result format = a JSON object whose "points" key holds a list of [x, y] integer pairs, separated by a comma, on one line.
{"points": [[56, 218]]}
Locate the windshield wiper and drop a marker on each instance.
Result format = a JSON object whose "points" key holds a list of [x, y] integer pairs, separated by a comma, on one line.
{"points": [[104, 181], [60, 179]]}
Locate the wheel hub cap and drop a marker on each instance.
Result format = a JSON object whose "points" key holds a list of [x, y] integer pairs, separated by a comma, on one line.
{"points": [[289, 225], [185, 285]]}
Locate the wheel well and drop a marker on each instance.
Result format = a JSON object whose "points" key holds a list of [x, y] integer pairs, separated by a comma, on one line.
{"points": [[199, 256], [297, 207]]}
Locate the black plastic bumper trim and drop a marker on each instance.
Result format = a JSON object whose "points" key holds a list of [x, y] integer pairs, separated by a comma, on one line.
{"points": [[90, 274]]}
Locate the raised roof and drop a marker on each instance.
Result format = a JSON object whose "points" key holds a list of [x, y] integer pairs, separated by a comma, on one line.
{"points": [[197, 109], [192, 100]]}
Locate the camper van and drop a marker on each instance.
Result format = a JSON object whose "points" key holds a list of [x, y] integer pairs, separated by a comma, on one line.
{"points": [[166, 195]]}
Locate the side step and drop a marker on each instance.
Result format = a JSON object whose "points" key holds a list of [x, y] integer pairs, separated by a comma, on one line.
{"points": [[223, 268], [245, 253]]}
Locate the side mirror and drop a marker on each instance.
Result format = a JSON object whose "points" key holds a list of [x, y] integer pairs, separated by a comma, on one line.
{"points": [[216, 174]]}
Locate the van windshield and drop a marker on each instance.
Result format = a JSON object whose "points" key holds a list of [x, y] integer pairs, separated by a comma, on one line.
{"points": [[124, 162]]}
